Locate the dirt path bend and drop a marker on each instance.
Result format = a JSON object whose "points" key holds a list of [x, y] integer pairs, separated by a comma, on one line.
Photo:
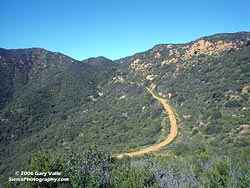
{"points": [[170, 137]]}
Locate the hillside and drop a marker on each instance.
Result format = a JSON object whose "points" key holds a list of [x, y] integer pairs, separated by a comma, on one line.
{"points": [[53, 103], [208, 83]]}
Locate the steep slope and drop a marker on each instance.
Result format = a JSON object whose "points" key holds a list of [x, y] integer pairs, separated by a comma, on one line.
{"points": [[39, 92], [50, 83], [51, 102], [208, 83]]}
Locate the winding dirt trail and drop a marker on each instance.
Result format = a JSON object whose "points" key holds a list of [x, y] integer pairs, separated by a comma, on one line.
{"points": [[170, 137]]}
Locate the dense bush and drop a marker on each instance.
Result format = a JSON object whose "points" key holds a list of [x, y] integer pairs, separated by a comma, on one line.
{"points": [[52, 102], [96, 168]]}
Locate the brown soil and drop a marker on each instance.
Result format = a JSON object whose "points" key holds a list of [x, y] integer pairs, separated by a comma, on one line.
{"points": [[170, 137]]}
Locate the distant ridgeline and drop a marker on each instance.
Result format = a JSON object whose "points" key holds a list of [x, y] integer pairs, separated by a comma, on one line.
{"points": [[51, 102]]}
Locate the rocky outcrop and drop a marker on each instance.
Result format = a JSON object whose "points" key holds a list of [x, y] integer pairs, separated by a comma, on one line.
{"points": [[210, 48], [138, 65], [157, 55], [165, 54]]}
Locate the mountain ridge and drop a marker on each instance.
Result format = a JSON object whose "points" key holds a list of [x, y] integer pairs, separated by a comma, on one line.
{"points": [[155, 46], [51, 102], [241, 34]]}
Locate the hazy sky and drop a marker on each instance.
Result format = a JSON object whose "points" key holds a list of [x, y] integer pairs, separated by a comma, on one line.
{"points": [[115, 28]]}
